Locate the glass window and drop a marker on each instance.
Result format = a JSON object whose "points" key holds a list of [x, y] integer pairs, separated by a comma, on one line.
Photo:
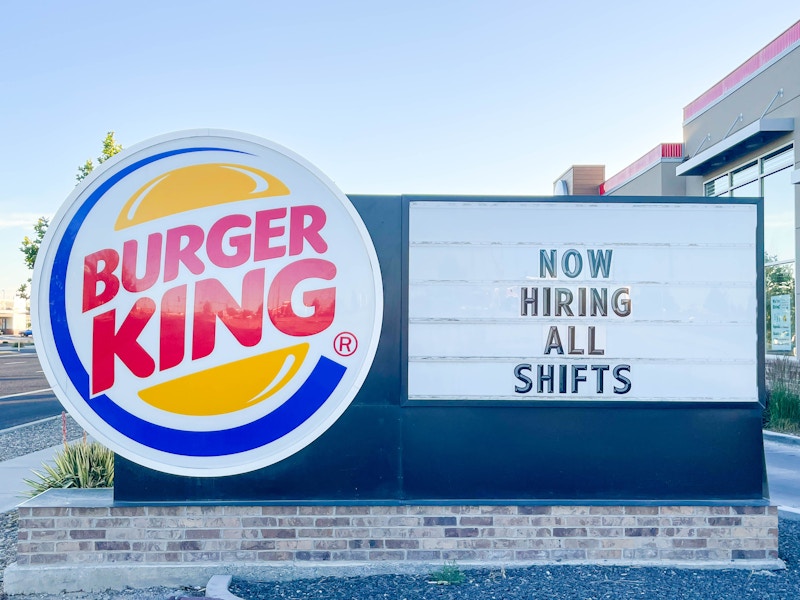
{"points": [[770, 177], [750, 190], [745, 174], [717, 186], [778, 160], [779, 284], [779, 216]]}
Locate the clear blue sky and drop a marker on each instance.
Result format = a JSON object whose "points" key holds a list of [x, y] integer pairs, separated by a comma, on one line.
{"points": [[458, 97]]}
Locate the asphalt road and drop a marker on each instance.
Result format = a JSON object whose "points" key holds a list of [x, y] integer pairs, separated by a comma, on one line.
{"points": [[25, 394]]}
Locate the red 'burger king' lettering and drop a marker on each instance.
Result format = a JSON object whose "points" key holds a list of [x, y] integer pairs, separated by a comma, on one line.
{"points": [[114, 338]]}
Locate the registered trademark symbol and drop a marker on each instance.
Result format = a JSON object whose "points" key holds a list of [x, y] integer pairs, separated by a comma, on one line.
{"points": [[345, 344]]}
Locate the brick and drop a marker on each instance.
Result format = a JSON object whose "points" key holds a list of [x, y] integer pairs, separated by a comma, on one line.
{"points": [[593, 554], [111, 522], [294, 544], [203, 534], [257, 545], [498, 510], [108, 546], [295, 522], [564, 554], [127, 511], [532, 555], [200, 557], [278, 510], [569, 532], [205, 510], [467, 521], [461, 532], [332, 522], [423, 555], [677, 554], [238, 556], [279, 533], [275, 556], [641, 531], [402, 544], [356, 544], [445, 521], [185, 546], [749, 510], [259, 522], [570, 510], [689, 543], [459, 555], [474, 543], [350, 555], [315, 510], [581, 543], [87, 534], [534, 510], [352, 510], [162, 557], [358, 532], [316, 555], [330, 544], [641, 510], [244, 511], [606, 510], [48, 559], [724, 521], [166, 511], [315, 533], [388, 510]]}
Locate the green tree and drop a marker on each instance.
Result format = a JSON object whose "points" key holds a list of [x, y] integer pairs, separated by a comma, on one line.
{"points": [[30, 245], [110, 148]]}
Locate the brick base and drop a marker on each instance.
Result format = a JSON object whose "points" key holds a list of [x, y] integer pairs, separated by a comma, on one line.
{"points": [[84, 527]]}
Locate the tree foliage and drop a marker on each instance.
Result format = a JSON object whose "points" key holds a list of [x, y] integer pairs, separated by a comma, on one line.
{"points": [[30, 245], [110, 148]]}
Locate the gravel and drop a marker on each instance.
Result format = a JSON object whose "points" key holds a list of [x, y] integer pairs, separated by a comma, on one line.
{"points": [[33, 437], [554, 582]]}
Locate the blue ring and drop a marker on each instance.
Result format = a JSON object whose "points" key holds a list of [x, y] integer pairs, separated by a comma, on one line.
{"points": [[313, 393]]}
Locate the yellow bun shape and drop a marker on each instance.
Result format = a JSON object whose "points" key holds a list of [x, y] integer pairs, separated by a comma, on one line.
{"points": [[197, 186]]}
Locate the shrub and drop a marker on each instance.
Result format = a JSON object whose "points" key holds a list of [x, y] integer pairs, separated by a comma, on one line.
{"points": [[81, 465], [783, 402]]}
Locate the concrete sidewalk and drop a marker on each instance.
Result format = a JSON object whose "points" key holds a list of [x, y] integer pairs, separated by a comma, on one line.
{"points": [[13, 489]]}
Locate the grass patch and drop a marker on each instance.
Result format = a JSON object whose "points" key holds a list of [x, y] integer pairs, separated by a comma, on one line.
{"points": [[783, 400]]}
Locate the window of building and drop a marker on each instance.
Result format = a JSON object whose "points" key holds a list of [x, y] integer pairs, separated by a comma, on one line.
{"points": [[770, 177]]}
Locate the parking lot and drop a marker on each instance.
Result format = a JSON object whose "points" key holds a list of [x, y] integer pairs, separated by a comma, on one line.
{"points": [[25, 394]]}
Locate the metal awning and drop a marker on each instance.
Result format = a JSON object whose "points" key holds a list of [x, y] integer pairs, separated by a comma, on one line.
{"points": [[747, 139]]}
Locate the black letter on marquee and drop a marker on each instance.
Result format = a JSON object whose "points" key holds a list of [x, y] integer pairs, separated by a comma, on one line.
{"points": [[523, 378]]}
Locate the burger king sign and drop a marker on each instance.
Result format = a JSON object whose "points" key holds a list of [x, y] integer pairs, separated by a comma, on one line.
{"points": [[207, 303]]}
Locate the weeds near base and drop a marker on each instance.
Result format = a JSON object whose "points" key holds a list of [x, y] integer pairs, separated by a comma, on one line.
{"points": [[449, 574]]}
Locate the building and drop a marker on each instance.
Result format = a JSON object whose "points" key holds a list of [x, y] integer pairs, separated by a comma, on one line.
{"points": [[14, 315], [739, 139]]}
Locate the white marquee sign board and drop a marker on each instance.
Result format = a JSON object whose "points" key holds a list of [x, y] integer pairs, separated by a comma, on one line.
{"points": [[538, 300]]}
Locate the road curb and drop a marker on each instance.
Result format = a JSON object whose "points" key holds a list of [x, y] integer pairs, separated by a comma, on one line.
{"points": [[783, 438]]}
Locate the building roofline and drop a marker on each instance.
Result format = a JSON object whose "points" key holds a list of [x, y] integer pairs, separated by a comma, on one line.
{"points": [[744, 72], [669, 151]]}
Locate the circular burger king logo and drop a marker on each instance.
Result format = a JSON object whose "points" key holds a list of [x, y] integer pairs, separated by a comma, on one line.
{"points": [[207, 303]]}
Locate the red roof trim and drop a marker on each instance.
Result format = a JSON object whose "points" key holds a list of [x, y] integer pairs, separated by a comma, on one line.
{"points": [[656, 155], [768, 53]]}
